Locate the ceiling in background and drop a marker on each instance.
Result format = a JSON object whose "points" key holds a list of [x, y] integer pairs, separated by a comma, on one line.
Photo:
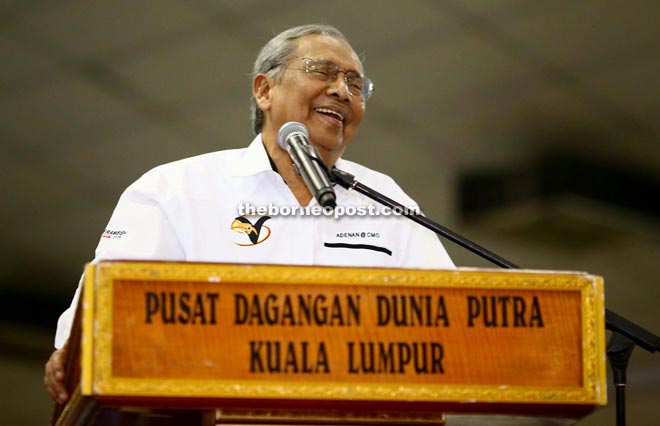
{"points": [[472, 98], [94, 93]]}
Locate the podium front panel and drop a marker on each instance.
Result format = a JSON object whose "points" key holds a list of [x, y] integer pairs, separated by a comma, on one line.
{"points": [[321, 336]]}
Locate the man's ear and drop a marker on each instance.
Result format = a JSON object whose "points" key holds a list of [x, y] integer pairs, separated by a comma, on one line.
{"points": [[261, 89]]}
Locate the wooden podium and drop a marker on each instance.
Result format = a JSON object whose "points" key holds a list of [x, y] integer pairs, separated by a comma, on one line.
{"points": [[188, 343]]}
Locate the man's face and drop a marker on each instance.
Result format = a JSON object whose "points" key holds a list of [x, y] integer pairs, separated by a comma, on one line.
{"points": [[329, 111]]}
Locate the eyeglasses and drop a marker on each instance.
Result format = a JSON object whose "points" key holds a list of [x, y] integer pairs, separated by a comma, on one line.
{"points": [[324, 70]]}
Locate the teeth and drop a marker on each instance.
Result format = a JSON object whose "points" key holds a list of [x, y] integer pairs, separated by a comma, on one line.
{"points": [[329, 111]]}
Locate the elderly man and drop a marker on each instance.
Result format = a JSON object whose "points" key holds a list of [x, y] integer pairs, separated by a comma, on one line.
{"points": [[189, 210]]}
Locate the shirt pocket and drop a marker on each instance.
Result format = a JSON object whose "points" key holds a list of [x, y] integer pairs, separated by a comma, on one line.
{"points": [[367, 243]]}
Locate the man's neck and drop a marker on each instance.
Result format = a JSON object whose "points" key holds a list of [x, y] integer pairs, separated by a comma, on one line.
{"points": [[284, 166]]}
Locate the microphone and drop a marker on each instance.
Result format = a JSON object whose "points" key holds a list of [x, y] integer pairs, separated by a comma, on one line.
{"points": [[294, 138]]}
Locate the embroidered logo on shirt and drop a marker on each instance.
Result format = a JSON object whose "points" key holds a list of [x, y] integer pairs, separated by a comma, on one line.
{"points": [[257, 233], [109, 233]]}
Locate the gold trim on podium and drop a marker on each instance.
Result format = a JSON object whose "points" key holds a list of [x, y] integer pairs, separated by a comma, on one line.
{"points": [[87, 354]]}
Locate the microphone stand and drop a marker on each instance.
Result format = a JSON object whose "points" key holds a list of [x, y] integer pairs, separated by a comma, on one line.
{"points": [[625, 333]]}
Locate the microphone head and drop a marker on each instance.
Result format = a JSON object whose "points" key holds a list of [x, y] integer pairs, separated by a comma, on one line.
{"points": [[288, 129]]}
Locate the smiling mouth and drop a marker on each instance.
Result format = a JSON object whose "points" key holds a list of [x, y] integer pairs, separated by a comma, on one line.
{"points": [[330, 113]]}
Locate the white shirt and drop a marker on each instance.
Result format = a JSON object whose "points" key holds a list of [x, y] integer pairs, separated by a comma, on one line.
{"points": [[188, 210]]}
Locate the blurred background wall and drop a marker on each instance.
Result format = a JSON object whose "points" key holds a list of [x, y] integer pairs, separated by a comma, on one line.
{"points": [[530, 126]]}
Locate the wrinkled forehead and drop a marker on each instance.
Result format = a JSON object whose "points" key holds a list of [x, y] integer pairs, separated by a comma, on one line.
{"points": [[334, 49]]}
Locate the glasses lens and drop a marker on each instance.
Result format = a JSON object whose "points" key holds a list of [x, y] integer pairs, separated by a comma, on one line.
{"points": [[354, 82], [359, 85], [318, 69], [367, 87]]}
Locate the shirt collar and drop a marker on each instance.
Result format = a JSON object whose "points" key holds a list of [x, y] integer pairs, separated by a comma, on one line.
{"points": [[340, 164], [255, 160]]}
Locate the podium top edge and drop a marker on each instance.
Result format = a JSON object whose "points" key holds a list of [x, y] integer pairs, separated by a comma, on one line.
{"points": [[467, 270]]}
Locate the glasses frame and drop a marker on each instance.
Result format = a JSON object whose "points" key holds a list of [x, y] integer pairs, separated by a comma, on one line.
{"points": [[367, 84]]}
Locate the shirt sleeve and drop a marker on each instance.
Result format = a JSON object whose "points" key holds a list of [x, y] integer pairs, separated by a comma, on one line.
{"points": [[138, 230]]}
